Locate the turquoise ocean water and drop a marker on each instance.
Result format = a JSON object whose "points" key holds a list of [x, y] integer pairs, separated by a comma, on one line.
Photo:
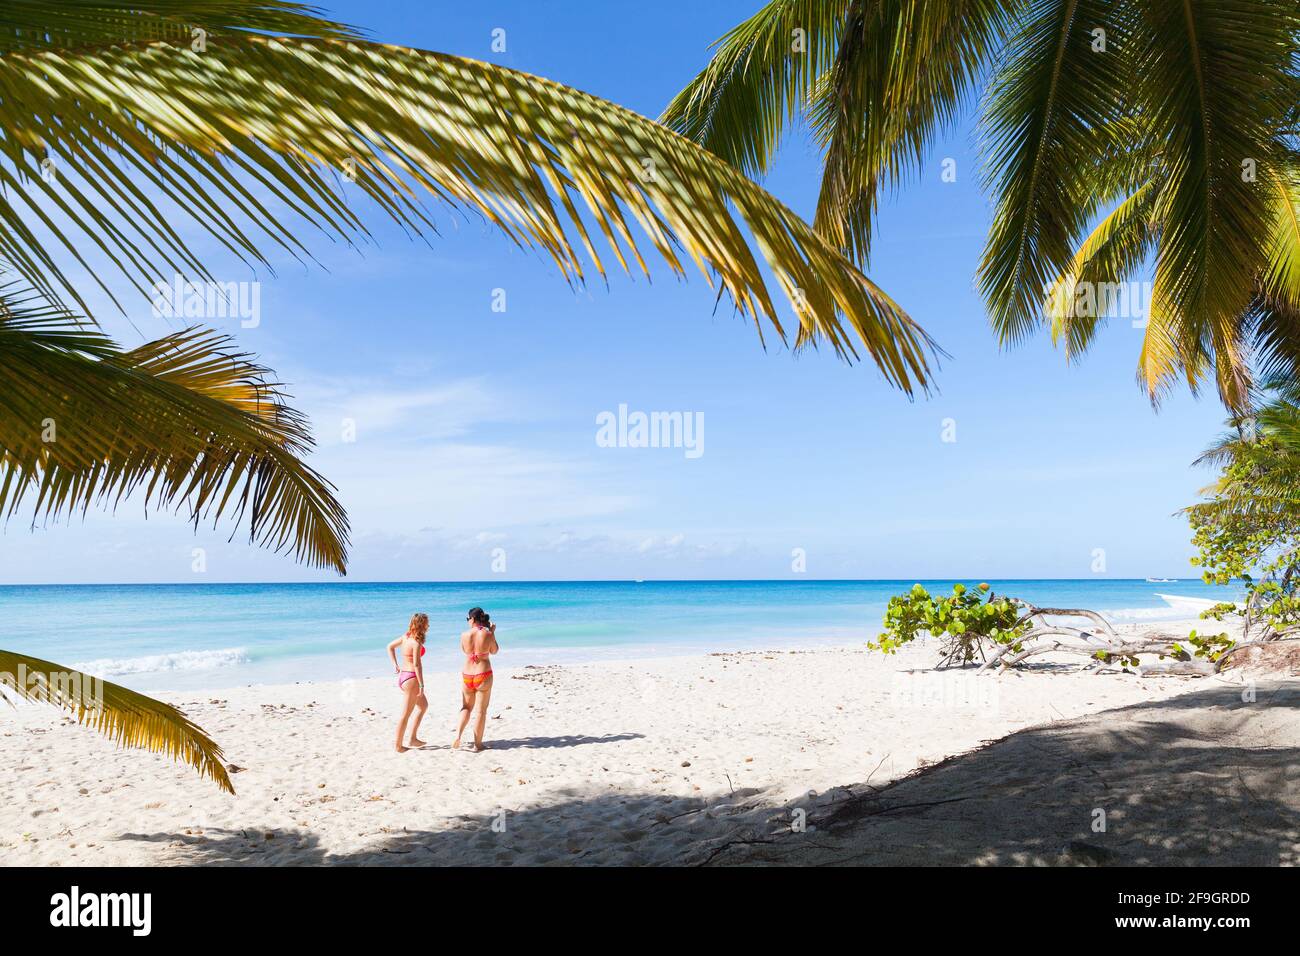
{"points": [[224, 635]]}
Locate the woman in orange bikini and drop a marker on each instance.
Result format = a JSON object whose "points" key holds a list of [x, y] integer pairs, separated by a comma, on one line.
{"points": [[478, 643], [410, 677]]}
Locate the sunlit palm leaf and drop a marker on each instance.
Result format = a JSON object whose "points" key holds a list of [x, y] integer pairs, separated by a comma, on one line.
{"points": [[762, 73], [290, 115], [1053, 96], [1089, 101], [127, 718], [1274, 316], [902, 74], [184, 422], [1168, 349], [1275, 325], [1281, 281], [1112, 253], [1208, 86], [1260, 457], [68, 24]]}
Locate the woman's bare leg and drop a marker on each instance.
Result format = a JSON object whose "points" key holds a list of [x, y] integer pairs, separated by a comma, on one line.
{"points": [[410, 690], [484, 695], [421, 705], [466, 707]]}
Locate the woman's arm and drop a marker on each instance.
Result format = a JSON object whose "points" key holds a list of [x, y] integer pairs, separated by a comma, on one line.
{"points": [[392, 653], [496, 648], [419, 671]]}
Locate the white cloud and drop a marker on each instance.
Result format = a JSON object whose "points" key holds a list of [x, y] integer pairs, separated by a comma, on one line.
{"points": [[412, 413]]}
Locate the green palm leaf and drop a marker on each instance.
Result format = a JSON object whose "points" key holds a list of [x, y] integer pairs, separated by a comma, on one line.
{"points": [[1047, 117], [1208, 87], [1273, 320], [762, 73], [902, 73], [1089, 100], [128, 718], [1112, 253], [184, 422], [290, 115], [1259, 456], [69, 24]]}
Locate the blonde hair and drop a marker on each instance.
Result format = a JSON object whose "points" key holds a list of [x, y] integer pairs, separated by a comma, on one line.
{"points": [[418, 627]]}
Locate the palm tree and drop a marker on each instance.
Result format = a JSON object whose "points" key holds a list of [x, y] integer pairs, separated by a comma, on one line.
{"points": [[183, 421], [1248, 525], [1259, 458], [1170, 121], [252, 119]]}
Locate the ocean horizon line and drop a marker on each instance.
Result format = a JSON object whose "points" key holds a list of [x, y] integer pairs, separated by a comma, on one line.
{"points": [[570, 581]]}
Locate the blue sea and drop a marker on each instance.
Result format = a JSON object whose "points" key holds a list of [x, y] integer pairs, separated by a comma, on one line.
{"points": [[180, 636]]}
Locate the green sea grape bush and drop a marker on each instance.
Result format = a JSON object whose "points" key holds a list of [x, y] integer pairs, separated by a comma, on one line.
{"points": [[1261, 552], [1247, 532], [969, 622], [997, 630], [1209, 646]]}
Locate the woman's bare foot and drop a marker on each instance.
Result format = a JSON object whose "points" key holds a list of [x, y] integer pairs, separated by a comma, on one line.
{"points": [[478, 748], [455, 744], [417, 743], [401, 749]]}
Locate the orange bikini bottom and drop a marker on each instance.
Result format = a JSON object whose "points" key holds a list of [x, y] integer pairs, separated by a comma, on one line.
{"points": [[475, 681]]}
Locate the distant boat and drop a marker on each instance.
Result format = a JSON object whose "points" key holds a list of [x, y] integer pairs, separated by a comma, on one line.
{"points": [[1162, 580]]}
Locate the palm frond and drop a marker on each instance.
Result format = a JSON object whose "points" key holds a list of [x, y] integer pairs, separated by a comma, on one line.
{"points": [[289, 113], [126, 717], [1050, 119], [1258, 458], [1208, 87], [759, 78], [1281, 280], [184, 422], [1113, 251], [69, 24], [1168, 351], [1272, 322], [902, 74], [1274, 327]]}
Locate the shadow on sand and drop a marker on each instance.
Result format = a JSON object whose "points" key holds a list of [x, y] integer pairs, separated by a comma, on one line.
{"points": [[536, 743], [546, 743], [1203, 778], [1200, 779]]}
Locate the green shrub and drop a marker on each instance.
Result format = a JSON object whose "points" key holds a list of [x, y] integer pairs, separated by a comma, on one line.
{"points": [[969, 623]]}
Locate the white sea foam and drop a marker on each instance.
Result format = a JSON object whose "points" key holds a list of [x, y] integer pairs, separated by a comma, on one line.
{"points": [[1149, 614], [176, 661]]}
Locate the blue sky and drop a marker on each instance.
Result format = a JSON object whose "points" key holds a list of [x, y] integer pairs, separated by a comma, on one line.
{"points": [[475, 429]]}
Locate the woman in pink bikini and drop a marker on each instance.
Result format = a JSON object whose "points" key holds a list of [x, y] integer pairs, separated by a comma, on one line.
{"points": [[478, 643], [410, 678]]}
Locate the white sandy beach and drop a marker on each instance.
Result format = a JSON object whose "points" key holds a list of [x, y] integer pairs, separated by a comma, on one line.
{"points": [[632, 762]]}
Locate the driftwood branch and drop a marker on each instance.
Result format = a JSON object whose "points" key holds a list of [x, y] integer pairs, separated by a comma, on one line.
{"points": [[1258, 642], [1045, 638], [1075, 641], [1035, 611], [1037, 634], [1129, 649], [1179, 669]]}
